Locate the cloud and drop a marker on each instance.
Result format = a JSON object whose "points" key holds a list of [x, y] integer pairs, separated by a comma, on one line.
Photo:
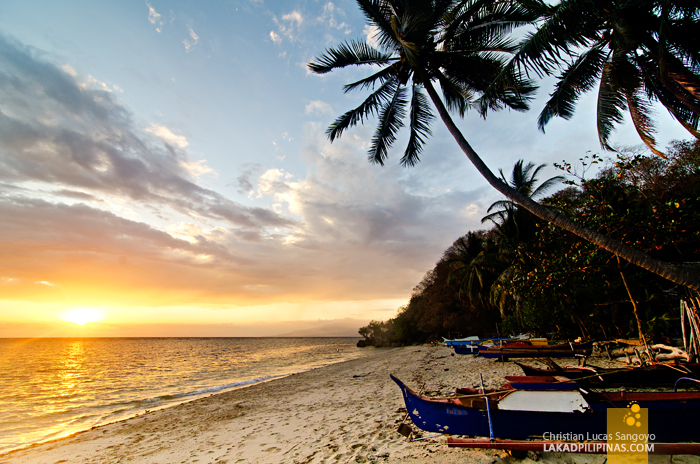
{"points": [[288, 27], [329, 18], [353, 209], [154, 18], [165, 134], [318, 107], [91, 82], [108, 208], [189, 44], [83, 250], [197, 168], [243, 182], [272, 182], [55, 132], [293, 17], [370, 32], [69, 69]]}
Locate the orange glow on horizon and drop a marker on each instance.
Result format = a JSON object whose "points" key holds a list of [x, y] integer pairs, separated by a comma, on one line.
{"points": [[82, 316]]}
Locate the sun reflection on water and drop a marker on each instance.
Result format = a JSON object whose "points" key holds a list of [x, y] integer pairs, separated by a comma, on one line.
{"points": [[50, 388], [72, 369]]}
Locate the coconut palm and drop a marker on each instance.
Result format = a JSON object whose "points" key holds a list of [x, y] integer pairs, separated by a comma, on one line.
{"points": [[471, 266], [483, 269], [524, 180], [635, 51], [514, 225], [463, 46]]}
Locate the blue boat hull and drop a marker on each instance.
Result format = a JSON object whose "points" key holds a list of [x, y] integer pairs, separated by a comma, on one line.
{"points": [[466, 349], [670, 421]]}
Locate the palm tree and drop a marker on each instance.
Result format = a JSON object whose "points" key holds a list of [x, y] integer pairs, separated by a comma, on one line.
{"points": [[636, 51], [524, 180], [471, 266], [463, 46], [514, 225], [483, 269]]}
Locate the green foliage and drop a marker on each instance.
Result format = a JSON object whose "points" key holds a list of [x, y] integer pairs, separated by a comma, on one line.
{"points": [[629, 201], [551, 282], [378, 333]]}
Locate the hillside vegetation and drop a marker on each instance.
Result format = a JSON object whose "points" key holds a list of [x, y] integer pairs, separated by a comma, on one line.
{"points": [[524, 274]]}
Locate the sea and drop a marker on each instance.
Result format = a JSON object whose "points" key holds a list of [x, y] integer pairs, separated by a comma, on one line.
{"points": [[54, 387]]}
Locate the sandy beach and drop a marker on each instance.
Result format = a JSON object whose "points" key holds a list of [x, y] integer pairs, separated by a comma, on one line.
{"points": [[346, 412]]}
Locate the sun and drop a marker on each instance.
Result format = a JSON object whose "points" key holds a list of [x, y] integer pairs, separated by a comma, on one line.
{"points": [[82, 316]]}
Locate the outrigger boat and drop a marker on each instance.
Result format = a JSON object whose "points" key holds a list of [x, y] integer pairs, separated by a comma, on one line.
{"points": [[654, 375], [474, 340], [460, 341], [470, 345], [532, 407], [524, 349], [466, 349]]}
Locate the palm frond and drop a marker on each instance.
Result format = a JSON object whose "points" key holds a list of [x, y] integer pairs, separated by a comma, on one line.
{"points": [[611, 104], [440, 14], [501, 217], [390, 121], [420, 119], [538, 8], [347, 54], [410, 30], [684, 77], [640, 112], [508, 89], [381, 76], [655, 89], [379, 13], [368, 108], [689, 125], [569, 25], [457, 97], [546, 185], [458, 16], [578, 78], [480, 42], [481, 70], [524, 178], [682, 40], [488, 19], [503, 204]]}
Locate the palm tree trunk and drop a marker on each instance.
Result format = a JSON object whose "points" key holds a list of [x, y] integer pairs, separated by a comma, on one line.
{"points": [[660, 268]]}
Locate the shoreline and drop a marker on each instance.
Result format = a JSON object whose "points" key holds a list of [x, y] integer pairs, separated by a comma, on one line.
{"points": [[42, 418], [186, 399], [183, 399], [348, 411]]}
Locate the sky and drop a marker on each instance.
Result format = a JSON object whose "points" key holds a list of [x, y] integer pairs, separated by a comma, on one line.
{"points": [[164, 171]]}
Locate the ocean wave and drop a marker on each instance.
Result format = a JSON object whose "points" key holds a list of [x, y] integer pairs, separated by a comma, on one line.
{"points": [[203, 391]]}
